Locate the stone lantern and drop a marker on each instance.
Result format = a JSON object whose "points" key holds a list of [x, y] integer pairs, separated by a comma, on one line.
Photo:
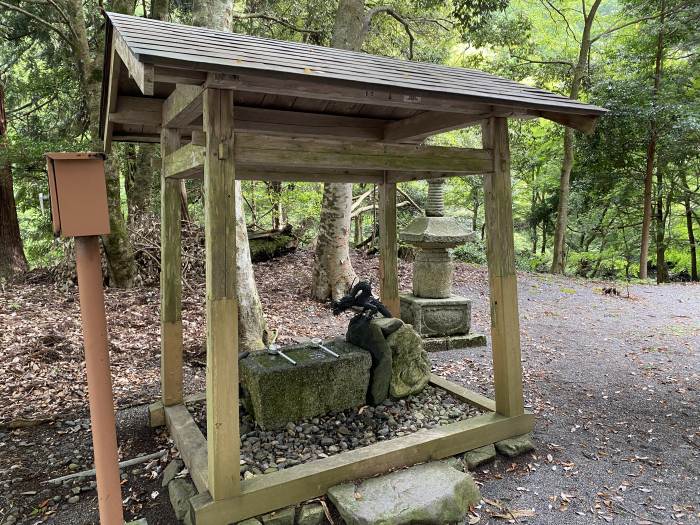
{"points": [[442, 319]]}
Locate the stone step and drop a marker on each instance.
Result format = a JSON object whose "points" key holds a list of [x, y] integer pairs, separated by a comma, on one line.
{"points": [[431, 494]]}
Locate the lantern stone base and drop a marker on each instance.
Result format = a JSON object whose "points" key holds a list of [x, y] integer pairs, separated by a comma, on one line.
{"points": [[444, 324], [278, 392]]}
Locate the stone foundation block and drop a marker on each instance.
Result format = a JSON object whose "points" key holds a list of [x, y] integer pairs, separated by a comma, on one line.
{"points": [[279, 392], [279, 517], [437, 317], [453, 342], [515, 446], [311, 514], [479, 456]]}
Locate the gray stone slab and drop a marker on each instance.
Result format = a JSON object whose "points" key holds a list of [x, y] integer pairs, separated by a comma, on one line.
{"points": [[479, 456], [250, 521], [180, 491], [280, 392], [429, 494], [441, 344], [515, 446]]}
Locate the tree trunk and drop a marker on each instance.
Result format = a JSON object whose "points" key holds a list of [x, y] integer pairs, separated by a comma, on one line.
{"points": [[568, 160], [651, 151], [661, 269], [12, 259], [120, 257], [332, 272], [216, 14], [691, 237]]}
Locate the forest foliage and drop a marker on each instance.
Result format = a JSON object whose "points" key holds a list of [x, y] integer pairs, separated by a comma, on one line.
{"points": [[642, 66]]}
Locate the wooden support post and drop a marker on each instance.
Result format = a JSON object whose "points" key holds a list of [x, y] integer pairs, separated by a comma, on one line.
{"points": [[223, 440], [170, 279], [388, 252], [500, 253]]}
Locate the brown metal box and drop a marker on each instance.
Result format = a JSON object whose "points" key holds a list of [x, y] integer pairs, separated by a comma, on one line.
{"points": [[78, 194]]}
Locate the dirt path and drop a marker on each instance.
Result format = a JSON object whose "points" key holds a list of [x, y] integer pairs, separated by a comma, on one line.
{"points": [[614, 383]]}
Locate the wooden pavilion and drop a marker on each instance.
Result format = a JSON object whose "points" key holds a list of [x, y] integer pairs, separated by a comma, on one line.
{"points": [[226, 106]]}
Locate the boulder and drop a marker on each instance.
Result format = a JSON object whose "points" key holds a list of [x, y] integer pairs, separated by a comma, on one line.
{"points": [[479, 456], [515, 446], [430, 494], [410, 368], [311, 514]]}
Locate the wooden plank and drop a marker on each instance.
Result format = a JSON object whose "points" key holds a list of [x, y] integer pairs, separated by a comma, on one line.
{"points": [[429, 123], [112, 89], [584, 123], [190, 442], [388, 250], [405, 176], [221, 305], [182, 106], [505, 325], [143, 74], [466, 395], [156, 411], [293, 485], [150, 112], [138, 111], [170, 280], [267, 151]]}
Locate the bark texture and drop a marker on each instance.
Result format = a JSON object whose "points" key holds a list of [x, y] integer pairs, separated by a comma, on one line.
{"points": [[333, 273], [12, 259], [216, 14], [568, 160]]}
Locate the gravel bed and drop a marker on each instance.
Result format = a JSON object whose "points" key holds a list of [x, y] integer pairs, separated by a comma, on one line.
{"points": [[263, 452]]}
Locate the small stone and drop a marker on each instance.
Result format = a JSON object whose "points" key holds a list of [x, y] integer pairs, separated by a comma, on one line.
{"points": [[479, 456], [180, 491], [279, 517], [74, 499], [515, 446], [172, 470], [311, 514], [250, 521], [73, 466], [75, 490], [454, 462], [10, 520]]}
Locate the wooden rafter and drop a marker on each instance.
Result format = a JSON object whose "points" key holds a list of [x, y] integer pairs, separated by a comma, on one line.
{"points": [[429, 123]]}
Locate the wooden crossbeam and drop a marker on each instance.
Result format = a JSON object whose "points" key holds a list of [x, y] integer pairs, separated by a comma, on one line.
{"points": [[182, 106], [143, 74], [265, 151], [428, 123]]}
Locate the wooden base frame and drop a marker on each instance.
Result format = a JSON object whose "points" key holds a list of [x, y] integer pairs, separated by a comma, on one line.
{"points": [[273, 491]]}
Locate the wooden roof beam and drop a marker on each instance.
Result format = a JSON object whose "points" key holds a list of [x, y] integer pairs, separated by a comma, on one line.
{"points": [[270, 152], [429, 123], [182, 106]]}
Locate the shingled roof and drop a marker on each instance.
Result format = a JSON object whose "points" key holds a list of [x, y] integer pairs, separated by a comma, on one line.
{"points": [[158, 55]]}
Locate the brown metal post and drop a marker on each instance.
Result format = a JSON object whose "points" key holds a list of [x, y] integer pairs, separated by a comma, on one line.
{"points": [[104, 435]]}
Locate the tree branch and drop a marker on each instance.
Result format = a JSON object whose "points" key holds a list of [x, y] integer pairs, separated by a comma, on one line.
{"points": [[396, 16], [38, 19], [277, 20], [533, 61]]}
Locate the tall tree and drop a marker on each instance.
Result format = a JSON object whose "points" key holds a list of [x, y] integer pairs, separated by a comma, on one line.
{"points": [[651, 147], [577, 76], [12, 258], [216, 14]]}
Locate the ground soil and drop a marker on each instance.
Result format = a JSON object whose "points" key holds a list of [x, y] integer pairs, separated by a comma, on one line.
{"points": [[614, 382]]}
